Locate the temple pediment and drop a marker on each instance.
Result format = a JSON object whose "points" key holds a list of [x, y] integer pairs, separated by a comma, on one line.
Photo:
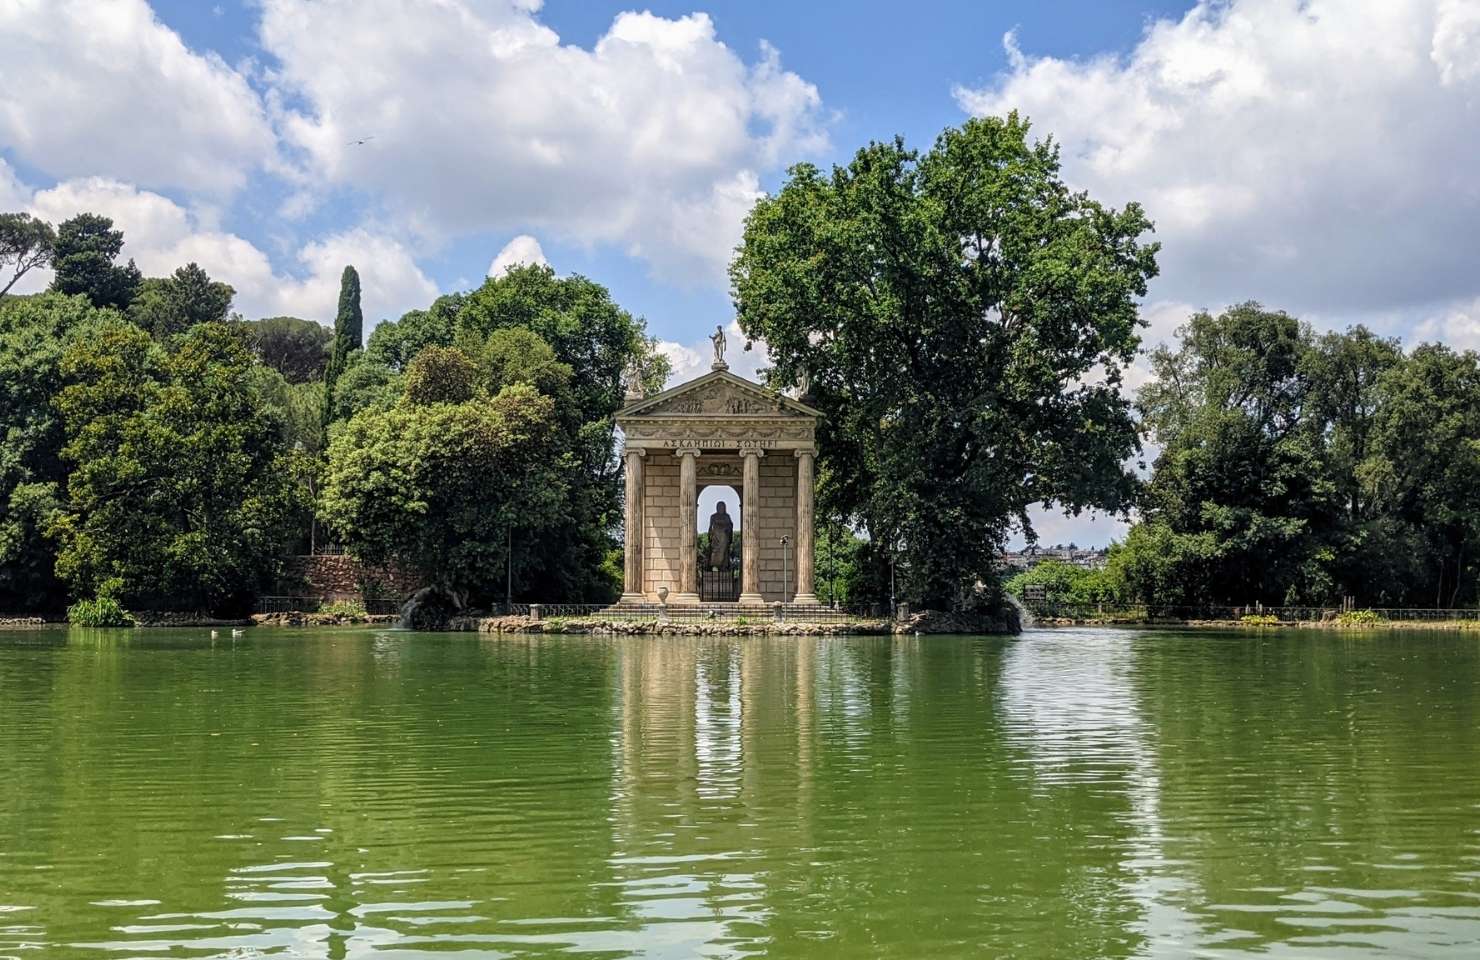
{"points": [[720, 395]]}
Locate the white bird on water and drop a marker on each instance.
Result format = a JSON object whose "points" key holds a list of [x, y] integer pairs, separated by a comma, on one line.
{"points": [[237, 632]]}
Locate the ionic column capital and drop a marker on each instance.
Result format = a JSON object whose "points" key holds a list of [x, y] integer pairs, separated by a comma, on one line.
{"points": [[631, 451], [686, 452], [752, 452], [803, 453]]}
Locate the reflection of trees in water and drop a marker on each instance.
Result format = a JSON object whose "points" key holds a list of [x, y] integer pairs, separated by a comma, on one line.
{"points": [[1318, 786]]}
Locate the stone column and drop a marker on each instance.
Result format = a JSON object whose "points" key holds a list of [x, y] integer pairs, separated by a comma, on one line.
{"points": [[750, 529], [805, 569], [688, 520], [632, 530]]}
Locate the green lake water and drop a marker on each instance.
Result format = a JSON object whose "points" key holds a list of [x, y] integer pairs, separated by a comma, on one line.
{"points": [[1068, 793]]}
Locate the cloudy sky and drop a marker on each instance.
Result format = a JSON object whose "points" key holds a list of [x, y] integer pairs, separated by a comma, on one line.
{"points": [[1318, 156]]}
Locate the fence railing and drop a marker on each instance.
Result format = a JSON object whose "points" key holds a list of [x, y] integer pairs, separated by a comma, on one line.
{"points": [[1292, 614], [382, 607]]}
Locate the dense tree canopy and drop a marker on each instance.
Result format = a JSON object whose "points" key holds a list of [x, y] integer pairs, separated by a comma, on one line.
{"points": [[83, 262], [1305, 469], [297, 349], [438, 486], [25, 244], [34, 334], [963, 319], [165, 306], [180, 495]]}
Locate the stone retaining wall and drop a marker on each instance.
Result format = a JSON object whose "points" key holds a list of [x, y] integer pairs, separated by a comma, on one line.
{"points": [[342, 578]]}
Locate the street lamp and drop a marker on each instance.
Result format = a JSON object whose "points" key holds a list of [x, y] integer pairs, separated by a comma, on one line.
{"points": [[785, 566]]}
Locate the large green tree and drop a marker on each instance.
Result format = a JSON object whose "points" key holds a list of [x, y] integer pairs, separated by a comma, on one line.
{"points": [[298, 349], [566, 337], [165, 306], [180, 494], [25, 244], [34, 334], [83, 261], [963, 318], [442, 488], [1239, 504], [349, 333]]}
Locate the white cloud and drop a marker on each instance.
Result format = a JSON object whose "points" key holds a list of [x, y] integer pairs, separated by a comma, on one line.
{"points": [[1315, 155], [101, 87], [523, 249], [1458, 326], [160, 235], [651, 141]]}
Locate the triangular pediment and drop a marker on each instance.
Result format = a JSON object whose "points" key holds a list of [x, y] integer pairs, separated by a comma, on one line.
{"points": [[718, 394]]}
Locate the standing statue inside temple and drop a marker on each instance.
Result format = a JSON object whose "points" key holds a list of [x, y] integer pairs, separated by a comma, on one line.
{"points": [[721, 532]]}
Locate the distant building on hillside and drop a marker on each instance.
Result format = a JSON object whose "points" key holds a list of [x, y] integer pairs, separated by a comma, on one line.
{"points": [[1029, 557]]}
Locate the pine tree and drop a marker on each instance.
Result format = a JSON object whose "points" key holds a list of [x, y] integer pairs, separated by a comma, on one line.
{"points": [[349, 331]]}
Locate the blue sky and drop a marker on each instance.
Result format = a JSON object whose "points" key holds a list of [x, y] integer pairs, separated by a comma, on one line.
{"points": [[1313, 154]]}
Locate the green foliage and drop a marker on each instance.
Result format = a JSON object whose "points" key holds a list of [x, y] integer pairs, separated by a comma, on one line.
{"points": [[99, 612], [349, 332], [364, 385], [1360, 618], [178, 487], [440, 375], [1302, 469], [25, 244], [83, 260], [951, 310], [1259, 620], [298, 349], [436, 487], [348, 609], [171, 305], [1066, 583], [34, 334], [395, 344]]}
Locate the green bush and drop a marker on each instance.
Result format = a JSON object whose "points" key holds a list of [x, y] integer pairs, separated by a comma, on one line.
{"points": [[99, 612], [344, 608], [1259, 619], [1360, 618]]}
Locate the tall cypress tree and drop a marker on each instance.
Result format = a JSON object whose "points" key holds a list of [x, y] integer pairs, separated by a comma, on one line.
{"points": [[349, 331]]}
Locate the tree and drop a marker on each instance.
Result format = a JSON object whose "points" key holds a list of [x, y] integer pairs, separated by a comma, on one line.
{"points": [[298, 349], [1426, 462], [566, 336], [169, 305], [180, 494], [438, 487], [1239, 506], [25, 244], [963, 319], [349, 333], [83, 260], [395, 343], [440, 375], [34, 334]]}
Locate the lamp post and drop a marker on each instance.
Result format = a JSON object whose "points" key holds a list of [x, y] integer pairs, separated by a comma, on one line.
{"points": [[785, 566]]}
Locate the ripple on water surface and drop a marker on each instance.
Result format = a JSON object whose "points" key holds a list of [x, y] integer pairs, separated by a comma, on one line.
{"points": [[1064, 794]]}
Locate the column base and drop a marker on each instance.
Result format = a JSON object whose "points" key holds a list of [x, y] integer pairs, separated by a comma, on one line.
{"points": [[628, 599], [683, 600], [806, 600], [752, 600]]}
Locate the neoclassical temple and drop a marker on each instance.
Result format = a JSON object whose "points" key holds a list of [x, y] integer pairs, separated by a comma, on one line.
{"points": [[718, 429]]}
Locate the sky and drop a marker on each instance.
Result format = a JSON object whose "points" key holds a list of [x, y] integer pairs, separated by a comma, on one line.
{"points": [[1317, 156]]}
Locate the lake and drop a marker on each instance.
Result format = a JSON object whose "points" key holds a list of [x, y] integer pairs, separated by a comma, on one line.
{"points": [[1070, 793]]}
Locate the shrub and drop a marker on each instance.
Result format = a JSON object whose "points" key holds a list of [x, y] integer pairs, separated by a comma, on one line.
{"points": [[99, 612], [344, 608], [1259, 619], [1360, 618]]}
